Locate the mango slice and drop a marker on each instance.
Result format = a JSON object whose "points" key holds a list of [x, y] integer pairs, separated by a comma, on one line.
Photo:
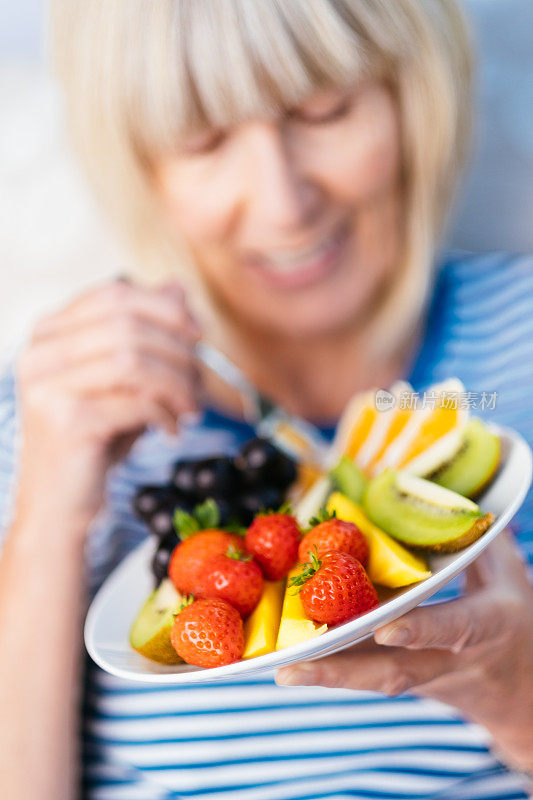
{"points": [[261, 627], [389, 563], [295, 626]]}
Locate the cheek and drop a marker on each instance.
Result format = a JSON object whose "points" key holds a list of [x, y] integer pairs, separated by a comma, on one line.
{"points": [[363, 163], [198, 204]]}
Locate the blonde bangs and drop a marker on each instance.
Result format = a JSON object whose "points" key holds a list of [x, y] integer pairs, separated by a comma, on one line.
{"points": [[197, 65]]}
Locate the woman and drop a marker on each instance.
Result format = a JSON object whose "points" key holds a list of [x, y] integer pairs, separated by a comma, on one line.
{"points": [[291, 165]]}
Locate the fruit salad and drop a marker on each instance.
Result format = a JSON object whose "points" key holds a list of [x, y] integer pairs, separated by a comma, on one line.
{"points": [[239, 574]]}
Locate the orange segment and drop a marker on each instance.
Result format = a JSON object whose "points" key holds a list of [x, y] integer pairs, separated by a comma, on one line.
{"points": [[432, 433], [360, 431], [439, 422], [419, 437], [399, 421]]}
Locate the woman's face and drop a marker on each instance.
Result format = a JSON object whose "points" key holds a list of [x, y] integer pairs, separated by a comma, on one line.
{"points": [[294, 223]]}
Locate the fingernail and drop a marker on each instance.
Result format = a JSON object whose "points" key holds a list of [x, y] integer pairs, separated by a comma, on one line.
{"points": [[301, 676], [396, 636]]}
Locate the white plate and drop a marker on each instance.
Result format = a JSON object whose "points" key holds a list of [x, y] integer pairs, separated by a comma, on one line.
{"points": [[114, 608]]}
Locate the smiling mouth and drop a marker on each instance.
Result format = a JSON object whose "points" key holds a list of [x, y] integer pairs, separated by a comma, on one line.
{"points": [[296, 268]]}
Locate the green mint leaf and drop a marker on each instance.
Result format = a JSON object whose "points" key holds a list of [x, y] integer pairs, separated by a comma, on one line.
{"points": [[207, 514], [185, 524]]}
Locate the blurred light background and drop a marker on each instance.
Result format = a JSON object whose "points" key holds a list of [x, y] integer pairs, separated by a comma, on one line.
{"points": [[53, 242]]}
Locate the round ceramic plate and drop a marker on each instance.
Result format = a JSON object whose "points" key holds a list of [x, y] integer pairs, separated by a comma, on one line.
{"points": [[115, 606]]}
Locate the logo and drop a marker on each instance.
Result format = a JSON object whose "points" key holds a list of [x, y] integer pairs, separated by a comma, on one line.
{"points": [[384, 400]]}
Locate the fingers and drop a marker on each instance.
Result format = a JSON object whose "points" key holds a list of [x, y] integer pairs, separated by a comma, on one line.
{"points": [[117, 338], [121, 414], [164, 307], [453, 626], [145, 376], [390, 672]]}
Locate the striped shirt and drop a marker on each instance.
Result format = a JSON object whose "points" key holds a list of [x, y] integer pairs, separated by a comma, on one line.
{"points": [[253, 740]]}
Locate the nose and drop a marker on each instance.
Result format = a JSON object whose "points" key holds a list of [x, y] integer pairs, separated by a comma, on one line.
{"points": [[281, 191]]}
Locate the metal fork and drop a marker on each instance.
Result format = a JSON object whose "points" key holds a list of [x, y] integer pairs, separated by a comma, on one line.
{"points": [[268, 418]]}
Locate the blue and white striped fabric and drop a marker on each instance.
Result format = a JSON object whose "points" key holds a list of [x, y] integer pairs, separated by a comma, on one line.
{"points": [[252, 740]]}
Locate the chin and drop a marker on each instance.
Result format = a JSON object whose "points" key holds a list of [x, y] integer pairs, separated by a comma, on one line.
{"points": [[302, 319]]}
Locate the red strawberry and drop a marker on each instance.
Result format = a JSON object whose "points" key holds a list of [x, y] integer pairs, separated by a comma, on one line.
{"points": [[273, 540], [188, 559], [335, 588], [233, 577], [208, 633], [334, 534]]}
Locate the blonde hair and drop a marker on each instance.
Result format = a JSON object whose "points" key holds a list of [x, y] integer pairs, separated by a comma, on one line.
{"points": [[140, 73]]}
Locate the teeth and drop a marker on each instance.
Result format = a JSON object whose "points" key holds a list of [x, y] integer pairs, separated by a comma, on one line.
{"points": [[293, 260]]}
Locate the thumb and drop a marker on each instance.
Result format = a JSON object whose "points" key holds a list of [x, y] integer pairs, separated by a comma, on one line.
{"points": [[453, 625]]}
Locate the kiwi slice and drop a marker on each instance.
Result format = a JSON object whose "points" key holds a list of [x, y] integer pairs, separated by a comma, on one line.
{"points": [[150, 633], [474, 464], [422, 514], [348, 479]]}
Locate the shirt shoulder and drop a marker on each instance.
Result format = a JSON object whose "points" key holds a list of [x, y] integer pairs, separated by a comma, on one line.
{"points": [[480, 324]]}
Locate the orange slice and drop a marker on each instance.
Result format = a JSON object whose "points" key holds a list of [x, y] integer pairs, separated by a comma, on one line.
{"points": [[400, 418], [389, 424], [431, 435], [355, 426]]}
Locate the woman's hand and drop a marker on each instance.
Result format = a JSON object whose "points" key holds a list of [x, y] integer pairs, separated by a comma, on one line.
{"points": [[474, 653], [94, 376]]}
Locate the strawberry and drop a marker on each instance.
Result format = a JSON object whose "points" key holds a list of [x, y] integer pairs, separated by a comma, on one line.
{"points": [[330, 533], [335, 588], [233, 577], [273, 540], [208, 633], [188, 559]]}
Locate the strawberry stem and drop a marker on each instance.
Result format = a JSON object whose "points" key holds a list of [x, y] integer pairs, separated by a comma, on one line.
{"points": [[309, 569], [238, 555], [323, 515]]}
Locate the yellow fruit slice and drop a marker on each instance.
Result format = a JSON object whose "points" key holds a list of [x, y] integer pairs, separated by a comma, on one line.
{"points": [[432, 434], [389, 424], [399, 420], [295, 626], [261, 627], [389, 563], [355, 426]]}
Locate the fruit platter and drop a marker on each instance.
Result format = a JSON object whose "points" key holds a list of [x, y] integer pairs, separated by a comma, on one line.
{"points": [[267, 556]]}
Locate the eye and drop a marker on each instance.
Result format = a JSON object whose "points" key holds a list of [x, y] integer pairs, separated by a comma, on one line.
{"points": [[323, 110], [203, 143]]}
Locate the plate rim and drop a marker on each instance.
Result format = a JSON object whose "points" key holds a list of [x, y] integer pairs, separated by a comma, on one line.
{"points": [[332, 640]]}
